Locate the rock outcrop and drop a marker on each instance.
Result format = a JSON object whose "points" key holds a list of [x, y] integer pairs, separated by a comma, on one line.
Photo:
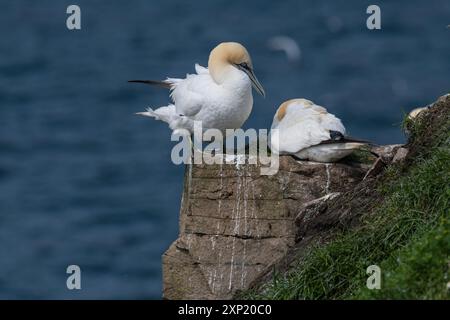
{"points": [[236, 225]]}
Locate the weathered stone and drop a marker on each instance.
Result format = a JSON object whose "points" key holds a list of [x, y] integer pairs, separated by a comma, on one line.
{"points": [[387, 152], [378, 166], [235, 224], [400, 155], [309, 211]]}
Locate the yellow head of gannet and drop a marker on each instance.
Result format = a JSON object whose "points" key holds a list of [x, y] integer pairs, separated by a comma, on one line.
{"points": [[232, 55]]}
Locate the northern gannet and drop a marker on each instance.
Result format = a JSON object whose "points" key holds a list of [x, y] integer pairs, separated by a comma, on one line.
{"points": [[309, 132], [219, 96]]}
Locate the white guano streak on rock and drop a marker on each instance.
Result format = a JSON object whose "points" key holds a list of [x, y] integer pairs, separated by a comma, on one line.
{"points": [[220, 199], [219, 212], [189, 236], [189, 240], [236, 217], [190, 177], [327, 186], [243, 270], [254, 214], [213, 284]]}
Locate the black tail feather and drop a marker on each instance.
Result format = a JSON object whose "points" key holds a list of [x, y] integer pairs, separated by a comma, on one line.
{"points": [[162, 84]]}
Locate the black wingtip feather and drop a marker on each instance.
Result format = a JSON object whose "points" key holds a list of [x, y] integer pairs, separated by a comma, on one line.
{"points": [[162, 84], [338, 137]]}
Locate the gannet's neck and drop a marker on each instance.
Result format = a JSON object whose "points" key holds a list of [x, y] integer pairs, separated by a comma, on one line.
{"points": [[231, 78], [219, 67]]}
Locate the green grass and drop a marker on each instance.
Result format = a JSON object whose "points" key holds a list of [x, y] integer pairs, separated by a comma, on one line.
{"points": [[407, 236], [419, 271]]}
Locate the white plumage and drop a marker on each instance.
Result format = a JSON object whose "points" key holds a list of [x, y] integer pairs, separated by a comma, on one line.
{"points": [[309, 132], [220, 97]]}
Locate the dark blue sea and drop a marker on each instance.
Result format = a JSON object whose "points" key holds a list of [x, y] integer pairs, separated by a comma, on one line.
{"points": [[84, 181]]}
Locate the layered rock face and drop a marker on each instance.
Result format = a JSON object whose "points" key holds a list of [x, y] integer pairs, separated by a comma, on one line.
{"points": [[236, 224]]}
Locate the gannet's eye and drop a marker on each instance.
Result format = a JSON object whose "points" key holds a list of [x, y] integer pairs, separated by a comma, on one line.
{"points": [[244, 65]]}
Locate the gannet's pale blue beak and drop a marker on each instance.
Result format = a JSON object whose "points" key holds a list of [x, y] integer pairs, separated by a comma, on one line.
{"points": [[255, 83]]}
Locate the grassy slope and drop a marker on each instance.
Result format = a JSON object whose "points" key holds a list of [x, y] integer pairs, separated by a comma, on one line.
{"points": [[407, 235]]}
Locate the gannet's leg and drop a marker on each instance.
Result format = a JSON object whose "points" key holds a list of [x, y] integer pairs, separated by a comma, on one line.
{"points": [[193, 147]]}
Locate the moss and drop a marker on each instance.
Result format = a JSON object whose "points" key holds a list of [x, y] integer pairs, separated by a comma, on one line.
{"points": [[362, 155], [407, 234]]}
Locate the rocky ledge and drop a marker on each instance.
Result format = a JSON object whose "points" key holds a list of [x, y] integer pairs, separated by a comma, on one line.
{"points": [[236, 225]]}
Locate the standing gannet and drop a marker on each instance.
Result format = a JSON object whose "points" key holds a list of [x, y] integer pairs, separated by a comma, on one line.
{"points": [[219, 96], [309, 132]]}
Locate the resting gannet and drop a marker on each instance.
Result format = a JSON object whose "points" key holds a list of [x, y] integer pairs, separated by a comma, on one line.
{"points": [[309, 132], [219, 96]]}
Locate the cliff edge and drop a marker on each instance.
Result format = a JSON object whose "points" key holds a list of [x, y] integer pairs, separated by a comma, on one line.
{"points": [[240, 230]]}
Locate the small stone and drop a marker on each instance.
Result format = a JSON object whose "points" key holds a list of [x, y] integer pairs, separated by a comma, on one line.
{"points": [[400, 155], [377, 167], [387, 152]]}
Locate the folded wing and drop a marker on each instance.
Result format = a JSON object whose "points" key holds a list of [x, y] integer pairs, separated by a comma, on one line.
{"points": [[303, 127], [188, 94]]}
